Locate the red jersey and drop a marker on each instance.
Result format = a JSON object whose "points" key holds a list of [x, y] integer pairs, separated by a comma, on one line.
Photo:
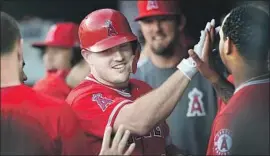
{"points": [[242, 127], [98, 105], [221, 104], [55, 116], [54, 84], [23, 135]]}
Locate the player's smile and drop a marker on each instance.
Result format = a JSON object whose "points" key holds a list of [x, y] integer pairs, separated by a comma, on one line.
{"points": [[120, 67]]}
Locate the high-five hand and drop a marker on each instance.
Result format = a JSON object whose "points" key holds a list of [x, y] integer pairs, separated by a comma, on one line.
{"points": [[118, 144], [202, 52]]}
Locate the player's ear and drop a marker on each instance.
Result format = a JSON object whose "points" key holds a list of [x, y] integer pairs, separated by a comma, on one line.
{"points": [[182, 23], [87, 56], [19, 47], [228, 46]]}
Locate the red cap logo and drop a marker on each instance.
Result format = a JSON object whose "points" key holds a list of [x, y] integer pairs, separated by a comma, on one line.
{"points": [[110, 28], [152, 4], [51, 34]]}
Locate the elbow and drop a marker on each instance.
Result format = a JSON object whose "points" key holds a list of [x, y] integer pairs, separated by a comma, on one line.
{"points": [[142, 129], [137, 128], [133, 122]]}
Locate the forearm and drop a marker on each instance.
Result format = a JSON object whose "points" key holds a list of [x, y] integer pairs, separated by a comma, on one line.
{"points": [[224, 89], [163, 100], [155, 106]]}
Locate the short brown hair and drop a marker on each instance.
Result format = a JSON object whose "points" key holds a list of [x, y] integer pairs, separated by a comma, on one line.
{"points": [[10, 33]]}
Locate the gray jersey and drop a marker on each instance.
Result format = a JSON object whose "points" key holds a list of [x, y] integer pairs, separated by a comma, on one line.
{"points": [[190, 122]]}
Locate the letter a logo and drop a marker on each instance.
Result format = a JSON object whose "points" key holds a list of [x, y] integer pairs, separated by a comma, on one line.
{"points": [[103, 102], [224, 145], [152, 4], [110, 28], [195, 105]]}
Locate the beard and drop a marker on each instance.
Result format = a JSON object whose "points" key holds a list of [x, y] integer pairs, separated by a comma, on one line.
{"points": [[166, 51]]}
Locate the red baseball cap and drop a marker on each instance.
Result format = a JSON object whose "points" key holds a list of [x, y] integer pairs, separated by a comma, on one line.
{"points": [[61, 35], [148, 8]]}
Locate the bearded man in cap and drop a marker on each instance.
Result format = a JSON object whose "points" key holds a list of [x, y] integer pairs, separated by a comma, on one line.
{"points": [[162, 24]]}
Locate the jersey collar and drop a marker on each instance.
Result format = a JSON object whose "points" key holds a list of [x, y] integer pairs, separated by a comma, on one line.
{"points": [[124, 92]]}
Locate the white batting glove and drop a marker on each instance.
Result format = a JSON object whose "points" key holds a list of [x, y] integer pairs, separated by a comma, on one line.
{"points": [[199, 47], [188, 66]]}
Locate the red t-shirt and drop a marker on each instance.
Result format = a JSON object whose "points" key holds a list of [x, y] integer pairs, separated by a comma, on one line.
{"points": [[98, 105], [242, 127], [55, 116], [54, 84]]}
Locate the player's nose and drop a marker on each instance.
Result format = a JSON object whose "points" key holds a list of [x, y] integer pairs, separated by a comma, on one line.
{"points": [[118, 56]]}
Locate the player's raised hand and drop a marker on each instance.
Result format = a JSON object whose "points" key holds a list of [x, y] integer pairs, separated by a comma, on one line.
{"points": [[118, 144], [203, 59], [203, 67], [210, 32]]}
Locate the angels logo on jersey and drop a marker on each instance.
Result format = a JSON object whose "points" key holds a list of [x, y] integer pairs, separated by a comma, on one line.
{"points": [[195, 105], [223, 142], [152, 4], [103, 102], [111, 30]]}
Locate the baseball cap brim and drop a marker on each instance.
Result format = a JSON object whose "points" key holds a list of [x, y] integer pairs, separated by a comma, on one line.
{"points": [[142, 16], [111, 42], [52, 44]]}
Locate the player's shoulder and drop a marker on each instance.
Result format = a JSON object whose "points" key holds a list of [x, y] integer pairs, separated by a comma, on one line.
{"points": [[251, 93], [256, 87], [17, 95], [55, 108], [39, 99], [23, 97], [49, 100]]}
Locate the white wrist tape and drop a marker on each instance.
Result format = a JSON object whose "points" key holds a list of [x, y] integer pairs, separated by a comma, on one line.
{"points": [[187, 67]]}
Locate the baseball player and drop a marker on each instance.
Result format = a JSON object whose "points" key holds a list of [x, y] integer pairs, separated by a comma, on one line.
{"points": [[55, 117], [242, 126], [162, 24], [109, 97], [59, 55], [42, 125]]}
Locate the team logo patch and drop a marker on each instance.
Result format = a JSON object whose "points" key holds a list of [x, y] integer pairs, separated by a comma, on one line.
{"points": [[110, 28], [152, 4], [223, 142], [103, 102], [195, 105]]}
